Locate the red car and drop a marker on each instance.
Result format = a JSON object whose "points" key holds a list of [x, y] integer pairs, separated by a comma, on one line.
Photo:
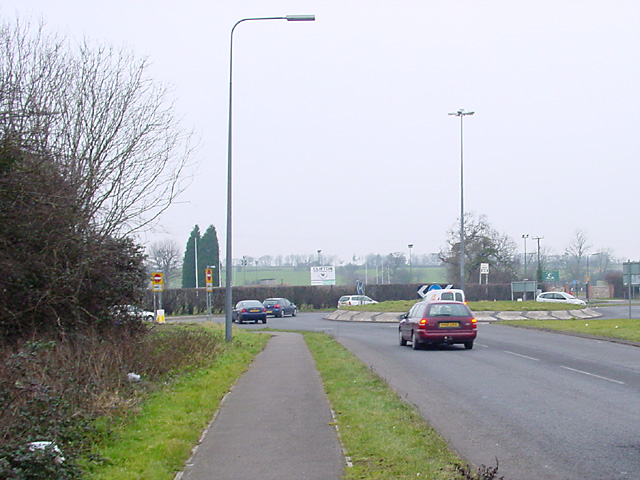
{"points": [[431, 323]]}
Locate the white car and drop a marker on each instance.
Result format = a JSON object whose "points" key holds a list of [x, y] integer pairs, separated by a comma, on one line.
{"points": [[135, 312], [349, 300], [559, 297]]}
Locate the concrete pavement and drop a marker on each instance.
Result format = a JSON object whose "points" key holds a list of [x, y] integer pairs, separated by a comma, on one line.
{"points": [[276, 423]]}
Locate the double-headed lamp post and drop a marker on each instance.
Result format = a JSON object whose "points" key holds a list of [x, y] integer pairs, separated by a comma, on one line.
{"points": [[228, 304], [461, 113]]}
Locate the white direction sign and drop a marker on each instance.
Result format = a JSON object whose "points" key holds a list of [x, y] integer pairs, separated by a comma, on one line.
{"points": [[323, 275]]}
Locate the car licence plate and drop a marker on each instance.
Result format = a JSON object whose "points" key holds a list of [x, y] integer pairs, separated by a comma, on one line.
{"points": [[448, 324], [254, 310]]}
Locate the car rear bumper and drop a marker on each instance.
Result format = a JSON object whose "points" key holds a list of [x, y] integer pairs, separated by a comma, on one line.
{"points": [[252, 316], [446, 336]]}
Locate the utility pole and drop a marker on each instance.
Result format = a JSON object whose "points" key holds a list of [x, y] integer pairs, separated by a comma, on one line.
{"points": [[539, 272]]}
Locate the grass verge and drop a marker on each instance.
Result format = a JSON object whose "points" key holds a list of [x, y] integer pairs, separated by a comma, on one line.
{"points": [[384, 436], [483, 306], [155, 443], [622, 329]]}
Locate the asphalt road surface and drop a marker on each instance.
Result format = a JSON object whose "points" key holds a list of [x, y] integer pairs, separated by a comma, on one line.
{"points": [[544, 405]]}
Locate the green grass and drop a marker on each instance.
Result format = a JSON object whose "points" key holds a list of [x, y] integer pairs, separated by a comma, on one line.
{"points": [[384, 436], [155, 443], [302, 275], [501, 306], [623, 329]]}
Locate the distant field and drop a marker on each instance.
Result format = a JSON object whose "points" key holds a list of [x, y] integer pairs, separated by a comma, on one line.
{"points": [[250, 275]]}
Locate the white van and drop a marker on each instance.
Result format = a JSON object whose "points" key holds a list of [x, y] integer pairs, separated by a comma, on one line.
{"points": [[448, 294]]}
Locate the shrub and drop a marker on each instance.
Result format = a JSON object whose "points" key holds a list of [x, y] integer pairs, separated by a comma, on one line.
{"points": [[55, 388]]}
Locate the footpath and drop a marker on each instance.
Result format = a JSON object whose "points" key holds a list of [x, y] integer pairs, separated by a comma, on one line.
{"points": [[275, 424]]}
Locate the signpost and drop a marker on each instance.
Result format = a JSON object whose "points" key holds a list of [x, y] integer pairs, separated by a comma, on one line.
{"points": [[157, 287], [484, 270], [323, 275], [208, 276], [631, 277]]}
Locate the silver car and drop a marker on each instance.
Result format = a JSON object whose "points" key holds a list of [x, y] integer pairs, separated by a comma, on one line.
{"points": [[349, 300], [559, 297]]}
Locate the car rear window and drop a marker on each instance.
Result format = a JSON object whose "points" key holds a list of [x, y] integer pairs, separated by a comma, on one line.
{"points": [[448, 310]]}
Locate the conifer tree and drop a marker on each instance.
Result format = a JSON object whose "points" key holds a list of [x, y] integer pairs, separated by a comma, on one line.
{"points": [[189, 262], [209, 255]]}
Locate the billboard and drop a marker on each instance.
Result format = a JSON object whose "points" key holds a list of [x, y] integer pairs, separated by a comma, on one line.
{"points": [[323, 275]]}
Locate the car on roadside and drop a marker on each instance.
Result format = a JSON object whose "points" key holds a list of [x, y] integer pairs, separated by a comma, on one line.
{"points": [[279, 307], [133, 311], [249, 311], [350, 300], [559, 297], [433, 323]]}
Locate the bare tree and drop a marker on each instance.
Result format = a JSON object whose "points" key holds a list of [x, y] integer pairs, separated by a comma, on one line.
{"points": [[94, 111], [575, 254], [164, 256], [483, 244]]}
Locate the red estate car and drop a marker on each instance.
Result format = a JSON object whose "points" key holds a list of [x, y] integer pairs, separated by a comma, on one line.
{"points": [[431, 323]]}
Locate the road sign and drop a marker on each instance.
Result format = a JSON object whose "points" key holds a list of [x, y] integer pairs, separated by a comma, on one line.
{"points": [[551, 276], [360, 287], [422, 291], [323, 275], [157, 282], [208, 275], [484, 269]]}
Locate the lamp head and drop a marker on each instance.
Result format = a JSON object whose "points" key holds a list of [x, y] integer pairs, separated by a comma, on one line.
{"points": [[300, 18]]}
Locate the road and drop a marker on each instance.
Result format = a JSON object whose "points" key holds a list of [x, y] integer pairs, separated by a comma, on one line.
{"points": [[545, 405]]}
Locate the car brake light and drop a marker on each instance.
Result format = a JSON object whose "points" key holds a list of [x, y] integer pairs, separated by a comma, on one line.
{"points": [[276, 306], [264, 309], [474, 323], [244, 310], [423, 323]]}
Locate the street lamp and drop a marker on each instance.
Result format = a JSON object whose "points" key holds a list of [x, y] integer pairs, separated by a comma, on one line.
{"points": [[228, 303], [410, 267], [461, 113], [525, 236]]}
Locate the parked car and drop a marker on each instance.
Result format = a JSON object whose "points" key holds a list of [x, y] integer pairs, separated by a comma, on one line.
{"points": [[431, 323], [279, 307], [133, 311], [349, 300], [249, 310], [559, 297]]}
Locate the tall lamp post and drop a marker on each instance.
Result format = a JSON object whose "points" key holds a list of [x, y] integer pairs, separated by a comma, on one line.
{"points": [[524, 237], [228, 304], [461, 113], [410, 266]]}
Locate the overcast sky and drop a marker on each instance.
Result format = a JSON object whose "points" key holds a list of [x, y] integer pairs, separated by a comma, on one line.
{"points": [[342, 140]]}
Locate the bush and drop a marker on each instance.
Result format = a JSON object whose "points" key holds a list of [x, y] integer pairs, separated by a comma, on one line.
{"points": [[55, 388]]}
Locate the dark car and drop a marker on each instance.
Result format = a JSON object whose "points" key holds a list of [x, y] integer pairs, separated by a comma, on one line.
{"points": [[279, 307], [432, 323], [249, 310]]}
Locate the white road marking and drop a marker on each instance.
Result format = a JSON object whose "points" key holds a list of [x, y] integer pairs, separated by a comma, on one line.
{"points": [[593, 375], [522, 356]]}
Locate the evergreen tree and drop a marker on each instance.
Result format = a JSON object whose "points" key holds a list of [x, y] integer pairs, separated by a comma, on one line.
{"points": [[189, 262], [209, 255]]}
